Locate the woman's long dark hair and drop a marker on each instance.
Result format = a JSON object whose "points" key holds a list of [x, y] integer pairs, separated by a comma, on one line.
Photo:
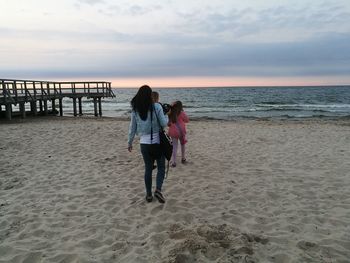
{"points": [[142, 101]]}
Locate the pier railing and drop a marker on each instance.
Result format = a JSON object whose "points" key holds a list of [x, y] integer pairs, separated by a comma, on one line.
{"points": [[15, 91]]}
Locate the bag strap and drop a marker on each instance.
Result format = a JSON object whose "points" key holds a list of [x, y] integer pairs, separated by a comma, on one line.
{"points": [[167, 170], [161, 129], [160, 126]]}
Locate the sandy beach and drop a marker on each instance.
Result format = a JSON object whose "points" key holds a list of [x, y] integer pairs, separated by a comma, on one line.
{"points": [[252, 191]]}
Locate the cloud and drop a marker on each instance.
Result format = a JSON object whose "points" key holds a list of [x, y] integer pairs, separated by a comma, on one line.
{"points": [[136, 10], [90, 2], [128, 10], [329, 54], [178, 55], [111, 10], [207, 41], [66, 35], [93, 3], [284, 22]]}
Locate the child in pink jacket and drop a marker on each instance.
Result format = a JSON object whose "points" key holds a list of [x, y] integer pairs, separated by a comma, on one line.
{"points": [[177, 130]]}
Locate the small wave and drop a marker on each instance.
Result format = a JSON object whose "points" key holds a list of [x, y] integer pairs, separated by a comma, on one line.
{"points": [[271, 103], [222, 110], [312, 116], [347, 106], [294, 110]]}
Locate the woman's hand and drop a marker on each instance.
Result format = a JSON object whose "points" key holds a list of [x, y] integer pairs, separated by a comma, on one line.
{"points": [[130, 148]]}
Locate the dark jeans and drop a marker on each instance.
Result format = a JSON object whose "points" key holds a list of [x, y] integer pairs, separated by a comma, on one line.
{"points": [[149, 156]]}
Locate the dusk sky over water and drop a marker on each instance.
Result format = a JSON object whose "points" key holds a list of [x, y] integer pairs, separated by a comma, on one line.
{"points": [[177, 43]]}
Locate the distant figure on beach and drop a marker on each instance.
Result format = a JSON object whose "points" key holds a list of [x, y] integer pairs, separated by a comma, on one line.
{"points": [[146, 119], [177, 130]]}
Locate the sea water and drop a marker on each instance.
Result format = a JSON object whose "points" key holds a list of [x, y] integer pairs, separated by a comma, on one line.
{"points": [[232, 103]]}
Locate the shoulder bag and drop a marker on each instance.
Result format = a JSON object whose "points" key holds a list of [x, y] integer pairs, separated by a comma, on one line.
{"points": [[165, 141]]}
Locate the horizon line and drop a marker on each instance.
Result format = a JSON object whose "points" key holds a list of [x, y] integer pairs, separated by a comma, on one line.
{"points": [[229, 86]]}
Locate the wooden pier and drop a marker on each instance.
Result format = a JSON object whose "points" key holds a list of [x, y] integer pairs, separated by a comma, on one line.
{"points": [[39, 94]]}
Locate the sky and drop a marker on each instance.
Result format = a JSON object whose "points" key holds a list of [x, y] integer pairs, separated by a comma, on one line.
{"points": [[177, 43]]}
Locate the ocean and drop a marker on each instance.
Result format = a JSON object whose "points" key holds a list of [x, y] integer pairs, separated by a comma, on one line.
{"points": [[233, 103]]}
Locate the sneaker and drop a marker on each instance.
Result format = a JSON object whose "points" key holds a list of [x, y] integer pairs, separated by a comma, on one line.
{"points": [[149, 198], [159, 196], [173, 164], [183, 161]]}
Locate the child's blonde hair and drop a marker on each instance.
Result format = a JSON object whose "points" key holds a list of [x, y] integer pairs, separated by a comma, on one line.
{"points": [[155, 96]]}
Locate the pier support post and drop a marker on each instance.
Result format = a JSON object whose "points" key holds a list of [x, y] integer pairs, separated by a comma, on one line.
{"points": [[60, 106], [75, 106], [53, 104], [99, 107], [9, 111], [41, 106], [95, 107], [80, 106], [22, 109], [45, 108], [33, 108]]}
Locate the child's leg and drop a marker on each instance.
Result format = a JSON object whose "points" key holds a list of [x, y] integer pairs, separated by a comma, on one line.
{"points": [[183, 147], [175, 143]]}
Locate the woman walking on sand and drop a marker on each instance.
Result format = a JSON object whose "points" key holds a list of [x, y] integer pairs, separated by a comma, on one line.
{"points": [[177, 130], [144, 122]]}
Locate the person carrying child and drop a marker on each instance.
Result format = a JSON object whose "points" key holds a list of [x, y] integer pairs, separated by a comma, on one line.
{"points": [[177, 130]]}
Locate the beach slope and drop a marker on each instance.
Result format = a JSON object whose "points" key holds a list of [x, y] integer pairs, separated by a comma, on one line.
{"points": [[252, 191]]}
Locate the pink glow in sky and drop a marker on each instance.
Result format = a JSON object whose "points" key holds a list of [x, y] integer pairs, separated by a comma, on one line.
{"points": [[178, 82]]}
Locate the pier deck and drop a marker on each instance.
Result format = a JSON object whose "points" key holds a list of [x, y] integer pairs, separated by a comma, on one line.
{"points": [[19, 92]]}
